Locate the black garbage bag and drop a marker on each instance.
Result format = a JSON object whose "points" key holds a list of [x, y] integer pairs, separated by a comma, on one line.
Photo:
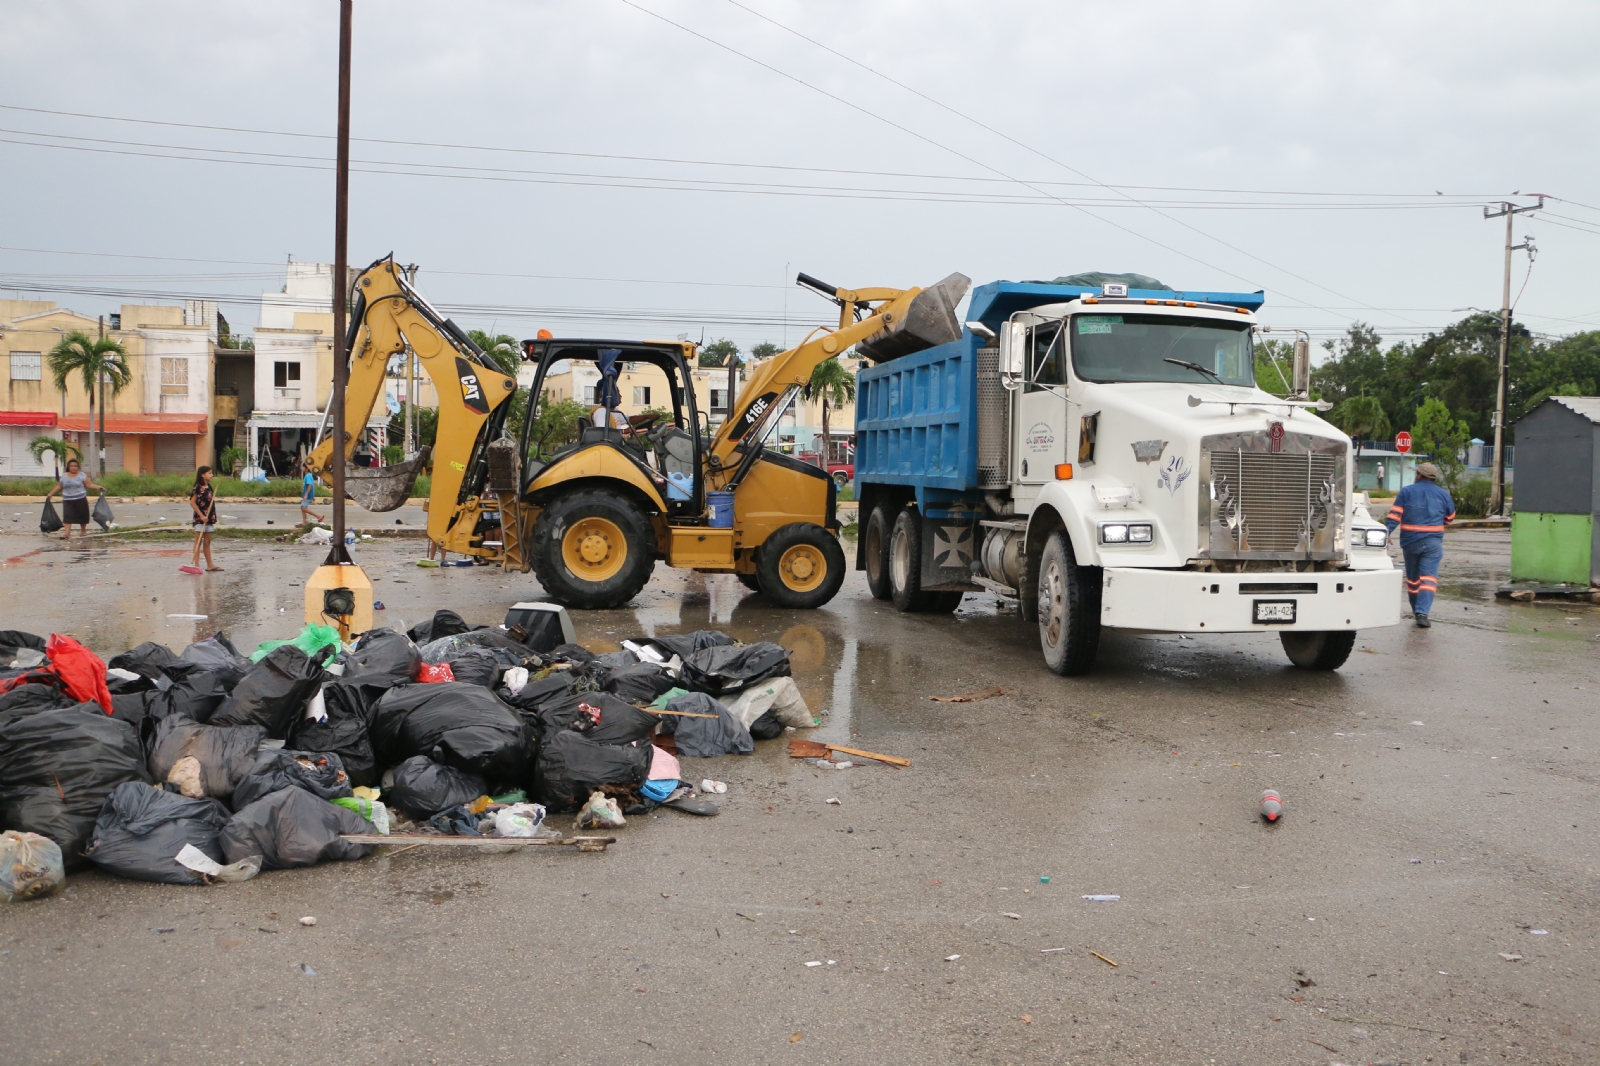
{"points": [[620, 721], [224, 754], [767, 727], [142, 828], [383, 657], [49, 520], [707, 738], [350, 706], [57, 766], [685, 644], [639, 683], [195, 695], [572, 653], [570, 766], [26, 699], [729, 668], [422, 788], [273, 694], [291, 828], [150, 660], [13, 641], [320, 773], [134, 707], [476, 666], [535, 695], [217, 653], [460, 725], [444, 623], [618, 659], [118, 685], [102, 513]]}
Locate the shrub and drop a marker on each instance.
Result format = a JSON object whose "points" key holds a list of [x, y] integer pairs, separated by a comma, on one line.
{"points": [[1472, 497]]}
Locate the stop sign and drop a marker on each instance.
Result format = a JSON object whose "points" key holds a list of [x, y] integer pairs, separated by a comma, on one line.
{"points": [[1402, 442]]}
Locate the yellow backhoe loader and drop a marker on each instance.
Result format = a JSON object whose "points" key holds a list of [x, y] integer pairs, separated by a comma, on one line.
{"points": [[591, 516]]}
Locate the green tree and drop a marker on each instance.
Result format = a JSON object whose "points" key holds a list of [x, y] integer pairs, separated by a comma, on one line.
{"points": [[61, 450], [1274, 364], [836, 386], [556, 424], [764, 350], [718, 352], [1441, 436], [95, 360], [501, 348], [1363, 418]]}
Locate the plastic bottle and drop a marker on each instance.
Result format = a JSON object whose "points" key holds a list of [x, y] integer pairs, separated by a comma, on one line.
{"points": [[1271, 805]]}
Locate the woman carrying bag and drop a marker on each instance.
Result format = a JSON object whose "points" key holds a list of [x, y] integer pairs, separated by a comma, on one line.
{"points": [[74, 486]]}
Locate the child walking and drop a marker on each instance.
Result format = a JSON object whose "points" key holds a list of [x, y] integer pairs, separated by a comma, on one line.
{"points": [[308, 496]]}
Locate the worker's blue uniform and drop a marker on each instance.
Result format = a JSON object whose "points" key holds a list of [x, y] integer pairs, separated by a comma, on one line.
{"points": [[1422, 510]]}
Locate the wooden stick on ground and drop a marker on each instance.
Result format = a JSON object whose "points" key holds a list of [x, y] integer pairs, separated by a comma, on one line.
{"points": [[974, 697], [417, 839], [892, 760], [682, 714], [811, 749]]}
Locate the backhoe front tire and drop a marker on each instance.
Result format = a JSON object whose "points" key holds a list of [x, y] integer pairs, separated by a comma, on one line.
{"points": [[801, 566], [1069, 609], [749, 581], [1318, 649], [593, 549], [875, 551], [905, 569]]}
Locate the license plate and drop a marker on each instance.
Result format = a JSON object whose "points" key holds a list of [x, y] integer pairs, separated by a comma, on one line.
{"points": [[1274, 612]]}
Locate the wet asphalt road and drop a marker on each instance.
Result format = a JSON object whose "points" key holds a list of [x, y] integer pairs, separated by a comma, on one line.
{"points": [[1441, 796]]}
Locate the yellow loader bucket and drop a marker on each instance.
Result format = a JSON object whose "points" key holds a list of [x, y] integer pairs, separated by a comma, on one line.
{"points": [[930, 322]]}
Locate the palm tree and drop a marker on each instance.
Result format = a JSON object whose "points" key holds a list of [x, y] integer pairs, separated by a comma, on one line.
{"points": [[100, 360], [502, 348], [1363, 418], [60, 450], [836, 386]]}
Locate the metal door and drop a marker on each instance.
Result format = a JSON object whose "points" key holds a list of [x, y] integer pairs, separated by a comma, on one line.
{"points": [[1040, 428]]}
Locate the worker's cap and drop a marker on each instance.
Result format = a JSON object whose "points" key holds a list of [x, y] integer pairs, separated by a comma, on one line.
{"points": [[1428, 470]]}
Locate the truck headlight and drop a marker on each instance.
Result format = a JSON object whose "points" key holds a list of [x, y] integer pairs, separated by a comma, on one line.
{"points": [[1126, 533], [1376, 538]]}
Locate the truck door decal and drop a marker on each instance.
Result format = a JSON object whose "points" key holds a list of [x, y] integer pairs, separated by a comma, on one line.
{"points": [[1039, 438], [471, 387]]}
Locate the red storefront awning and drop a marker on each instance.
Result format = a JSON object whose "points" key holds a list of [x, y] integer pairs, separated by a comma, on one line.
{"points": [[190, 425], [27, 418]]}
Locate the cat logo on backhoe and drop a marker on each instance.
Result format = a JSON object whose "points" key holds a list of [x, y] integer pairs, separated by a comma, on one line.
{"points": [[471, 388]]}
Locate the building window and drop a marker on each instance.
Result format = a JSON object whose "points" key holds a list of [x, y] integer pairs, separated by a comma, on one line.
{"points": [[641, 396], [26, 366], [285, 376], [588, 394], [719, 399], [174, 377]]}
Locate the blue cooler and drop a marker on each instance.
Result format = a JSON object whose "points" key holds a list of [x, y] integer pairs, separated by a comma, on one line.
{"points": [[720, 506]]}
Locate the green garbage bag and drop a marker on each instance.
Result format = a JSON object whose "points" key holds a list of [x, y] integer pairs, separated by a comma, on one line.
{"points": [[312, 640]]}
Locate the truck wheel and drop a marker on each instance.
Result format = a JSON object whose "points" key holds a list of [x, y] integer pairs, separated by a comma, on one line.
{"points": [[841, 479], [593, 549], [905, 569], [1325, 650], [801, 566], [1069, 615], [749, 581], [875, 551]]}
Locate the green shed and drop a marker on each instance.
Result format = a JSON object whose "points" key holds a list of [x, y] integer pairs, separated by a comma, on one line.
{"points": [[1555, 532]]}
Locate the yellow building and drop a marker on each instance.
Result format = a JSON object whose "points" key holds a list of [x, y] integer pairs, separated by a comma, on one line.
{"points": [[642, 386], [159, 423]]}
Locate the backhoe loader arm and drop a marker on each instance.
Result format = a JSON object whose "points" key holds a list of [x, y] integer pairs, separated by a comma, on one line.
{"points": [[905, 318], [387, 315]]}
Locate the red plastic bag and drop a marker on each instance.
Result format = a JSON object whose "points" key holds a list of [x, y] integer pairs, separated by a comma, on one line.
{"points": [[432, 673], [83, 672]]}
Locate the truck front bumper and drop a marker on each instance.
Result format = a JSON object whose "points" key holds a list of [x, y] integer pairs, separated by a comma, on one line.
{"points": [[1189, 601]]}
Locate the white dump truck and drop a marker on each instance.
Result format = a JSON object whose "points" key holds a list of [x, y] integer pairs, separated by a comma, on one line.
{"points": [[1104, 456]]}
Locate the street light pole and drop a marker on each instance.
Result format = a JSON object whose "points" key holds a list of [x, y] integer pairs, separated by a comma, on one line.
{"points": [[1497, 491], [341, 284]]}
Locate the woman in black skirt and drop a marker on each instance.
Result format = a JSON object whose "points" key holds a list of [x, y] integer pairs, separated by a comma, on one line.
{"points": [[74, 486]]}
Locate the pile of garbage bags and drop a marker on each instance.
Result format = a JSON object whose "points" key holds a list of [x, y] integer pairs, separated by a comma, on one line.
{"points": [[208, 764]]}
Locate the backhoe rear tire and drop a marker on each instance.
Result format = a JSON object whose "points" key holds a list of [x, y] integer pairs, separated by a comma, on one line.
{"points": [[875, 550], [1318, 649], [801, 566], [593, 549], [905, 569]]}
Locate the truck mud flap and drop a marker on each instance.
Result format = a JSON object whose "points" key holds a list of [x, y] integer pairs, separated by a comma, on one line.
{"points": [[949, 545]]}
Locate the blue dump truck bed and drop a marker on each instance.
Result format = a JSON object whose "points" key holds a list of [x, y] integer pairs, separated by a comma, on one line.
{"points": [[917, 416]]}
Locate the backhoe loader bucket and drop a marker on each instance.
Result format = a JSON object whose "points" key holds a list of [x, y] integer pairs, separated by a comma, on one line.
{"points": [[930, 322], [385, 488]]}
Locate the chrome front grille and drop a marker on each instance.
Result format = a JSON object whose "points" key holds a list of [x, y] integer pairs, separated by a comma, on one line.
{"points": [[1265, 504]]}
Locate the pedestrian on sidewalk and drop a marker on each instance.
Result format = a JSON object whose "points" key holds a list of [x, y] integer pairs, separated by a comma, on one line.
{"points": [[203, 501], [1422, 510], [308, 496], [74, 486]]}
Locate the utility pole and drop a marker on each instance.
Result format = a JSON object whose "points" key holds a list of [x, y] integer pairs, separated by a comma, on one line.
{"points": [[341, 285], [100, 380], [1497, 491]]}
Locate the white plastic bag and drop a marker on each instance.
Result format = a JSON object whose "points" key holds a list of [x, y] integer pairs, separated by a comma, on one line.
{"points": [[30, 866], [201, 863], [601, 812], [779, 695], [515, 679], [519, 820]]}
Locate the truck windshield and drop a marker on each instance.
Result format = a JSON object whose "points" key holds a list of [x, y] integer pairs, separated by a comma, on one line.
{"points": [[1108, 348]]}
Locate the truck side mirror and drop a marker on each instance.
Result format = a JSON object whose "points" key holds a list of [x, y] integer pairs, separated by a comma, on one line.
{"points": [[1013, 353]]}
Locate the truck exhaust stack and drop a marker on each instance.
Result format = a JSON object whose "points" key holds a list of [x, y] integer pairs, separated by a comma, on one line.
{"points": [[930, 322]]}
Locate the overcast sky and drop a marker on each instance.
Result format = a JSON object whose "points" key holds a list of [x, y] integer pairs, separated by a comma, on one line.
{"points": [[593, 168]]}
